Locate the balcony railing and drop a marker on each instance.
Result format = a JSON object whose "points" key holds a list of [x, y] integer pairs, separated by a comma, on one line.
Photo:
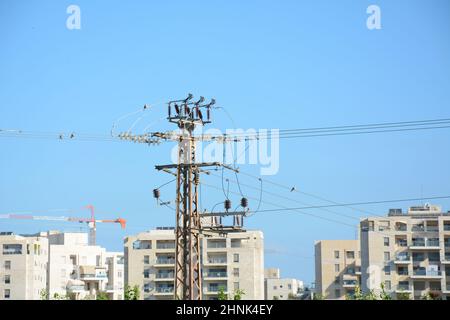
{"points": [[433, 243], [221, 274], [419, 228], [446, 227], [165, 261], [12, 251], [404, 287], [402, 257], [216, 288], [418, 243], [432, 228], [447, 256], [350, 282], [164, 289], [401, 227], [217, 260], [165, 275], [165, 245], [423, 272], [217, 244]]}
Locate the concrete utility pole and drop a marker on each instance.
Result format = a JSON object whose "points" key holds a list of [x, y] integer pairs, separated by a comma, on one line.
{"points": [[187, 114]]}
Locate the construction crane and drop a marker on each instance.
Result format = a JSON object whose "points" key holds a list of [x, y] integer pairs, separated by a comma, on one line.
{"points": [[91, 222]]}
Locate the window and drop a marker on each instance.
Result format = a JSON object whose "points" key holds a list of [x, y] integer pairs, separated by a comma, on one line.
{"points": [[7, 294], [98, 261], [290, 286], [236, 257], [336, 280], [235, 243], [387, 256], [146, 259], [387, 285], [350, 254], [386, 241], [419, 285], [146, 273], [7, 279], [236, 272], [336, 254], [12, 249], [336, 267], [236, 285], [387, 270], [274, 287], [7, 265], [436, 286], [337, 293], [119, 274]]}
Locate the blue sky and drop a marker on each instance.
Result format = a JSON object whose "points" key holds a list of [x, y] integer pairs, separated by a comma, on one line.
{"points": [[271, 64]]}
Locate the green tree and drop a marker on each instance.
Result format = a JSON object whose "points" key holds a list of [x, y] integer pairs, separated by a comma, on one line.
{"points": [[102, 296], [238, 294], [318, 296], [222, 295], [132, 293], [383, 294], [403, 296], [43, 294]]}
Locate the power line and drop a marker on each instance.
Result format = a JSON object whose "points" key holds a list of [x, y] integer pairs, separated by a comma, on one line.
{"points": [[361, 203]]}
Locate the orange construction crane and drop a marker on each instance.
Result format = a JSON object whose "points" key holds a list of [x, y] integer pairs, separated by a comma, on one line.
{"points": [[91, 222]]}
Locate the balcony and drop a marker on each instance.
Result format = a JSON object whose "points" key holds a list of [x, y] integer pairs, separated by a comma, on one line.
{"points": [[403, 288], [112, 288], [217, 261], [215, 275], [215, 289], [164, 262], [429, 244], [446, 227], [350, 283], [432, 229], [170, 245], [426, 274], [164, 290], [402, 259], [12, 249], [93, 273], [217, 245], [165, 276]]}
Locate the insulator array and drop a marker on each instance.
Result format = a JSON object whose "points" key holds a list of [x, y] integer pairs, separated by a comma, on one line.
{"points": [[156, 193], [244, 202], [227, 204], [140, 138]]}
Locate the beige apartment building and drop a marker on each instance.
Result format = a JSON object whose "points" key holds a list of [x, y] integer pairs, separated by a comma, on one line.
{"points": [[337, 268], [23, 265], [407, 251], [277, 288], [233, 262]]}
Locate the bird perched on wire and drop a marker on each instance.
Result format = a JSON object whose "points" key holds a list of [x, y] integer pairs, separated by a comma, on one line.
{"points": [[146, 107], [293, 189]]}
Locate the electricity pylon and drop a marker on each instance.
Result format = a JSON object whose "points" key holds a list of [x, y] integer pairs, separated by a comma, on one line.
{"points": [[187, 114]]}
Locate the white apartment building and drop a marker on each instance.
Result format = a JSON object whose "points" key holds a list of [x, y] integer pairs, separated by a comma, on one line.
{"points": [[407, 251], [233, 262], [23, 265], [81, 271], [277, 288]]}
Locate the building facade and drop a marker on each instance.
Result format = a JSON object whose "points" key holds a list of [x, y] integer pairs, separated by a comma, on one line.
{"points": [[277, 288], [231, 263], [81, 271], [337, 268], [408, 252], [23, 266]]}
